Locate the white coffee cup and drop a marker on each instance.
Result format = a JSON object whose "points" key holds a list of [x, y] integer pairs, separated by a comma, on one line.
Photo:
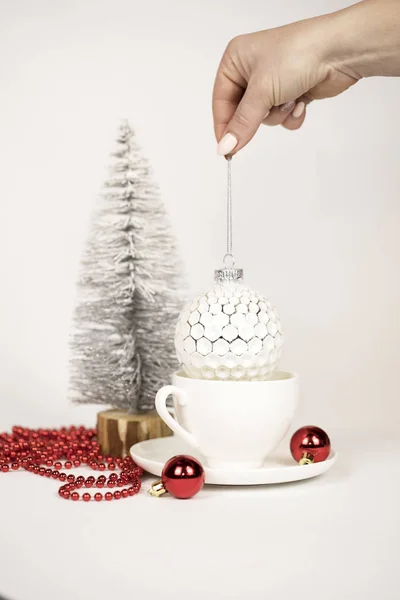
{"points": [[232, 424]]}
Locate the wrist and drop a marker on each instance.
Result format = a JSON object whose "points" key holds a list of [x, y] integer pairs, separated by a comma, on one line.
{"points": [[363, 40]]}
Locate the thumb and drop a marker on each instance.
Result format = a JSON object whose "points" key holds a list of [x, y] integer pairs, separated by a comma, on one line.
{"points": [[253, 108]]}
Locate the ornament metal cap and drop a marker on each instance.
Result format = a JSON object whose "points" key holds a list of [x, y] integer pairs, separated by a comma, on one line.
{"points": [[157, 489], [306, 459], [229, 272]]}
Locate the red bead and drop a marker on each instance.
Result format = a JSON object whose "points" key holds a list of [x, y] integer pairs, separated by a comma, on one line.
{"points": [[98, 497], [86, 497], [183, 476], [57, 465], [48, 472], [108, 496], [66, 494], [68, 464], [124, 493], [117, 495], [77, 463], [55, 474], [75, 496], [5, 468], [71, 477], [15, 466], [62, 477], [311, 444]]}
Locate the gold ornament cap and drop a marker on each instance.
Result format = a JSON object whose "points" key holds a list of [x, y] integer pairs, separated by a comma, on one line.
{"points": [[157, 489], [306, 459]]}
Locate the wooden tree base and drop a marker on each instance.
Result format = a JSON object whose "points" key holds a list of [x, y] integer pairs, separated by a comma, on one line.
{"points": [[118, 431]]}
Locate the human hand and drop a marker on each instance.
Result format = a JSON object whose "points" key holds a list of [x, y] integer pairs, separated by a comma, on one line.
{"points": [[270, 76]]}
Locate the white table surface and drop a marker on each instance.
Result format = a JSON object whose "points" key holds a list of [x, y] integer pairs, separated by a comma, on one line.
{"points": [[333, 537]]}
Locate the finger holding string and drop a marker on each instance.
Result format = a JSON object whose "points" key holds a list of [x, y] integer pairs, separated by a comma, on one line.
{"points": [[238, 108]]}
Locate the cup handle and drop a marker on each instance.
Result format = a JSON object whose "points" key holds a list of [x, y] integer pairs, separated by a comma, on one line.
{"points": [[161, 408]]}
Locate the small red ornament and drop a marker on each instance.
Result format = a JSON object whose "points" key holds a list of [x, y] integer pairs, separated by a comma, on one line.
{"points": [[182, 477], [310, 444]]}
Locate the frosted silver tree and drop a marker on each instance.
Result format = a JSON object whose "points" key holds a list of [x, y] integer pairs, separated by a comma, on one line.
{"points": [[130, 298]]}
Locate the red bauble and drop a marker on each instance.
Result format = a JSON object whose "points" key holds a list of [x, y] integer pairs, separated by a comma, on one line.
{"points": [[182, 476], [310, 444]]}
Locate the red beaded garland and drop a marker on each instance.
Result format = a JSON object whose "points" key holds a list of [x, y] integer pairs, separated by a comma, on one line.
{"points": [[29, 449]]}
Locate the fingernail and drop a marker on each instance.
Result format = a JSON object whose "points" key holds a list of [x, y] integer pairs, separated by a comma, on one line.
{"points": [[227, 144], [298, 111], [266, 114], [288, 106]]}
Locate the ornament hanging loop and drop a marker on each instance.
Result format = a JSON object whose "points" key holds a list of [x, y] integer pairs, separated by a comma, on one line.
{"points": [[229, 261]]}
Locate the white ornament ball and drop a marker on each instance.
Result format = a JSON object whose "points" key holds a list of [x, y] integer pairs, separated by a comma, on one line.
{"points": [[230, 332]]}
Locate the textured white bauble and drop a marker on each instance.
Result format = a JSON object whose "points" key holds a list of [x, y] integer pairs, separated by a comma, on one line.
{"points": [[230, 332]]}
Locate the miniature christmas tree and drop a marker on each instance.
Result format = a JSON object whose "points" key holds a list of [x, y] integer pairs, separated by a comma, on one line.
{"points": [[122, 348]]}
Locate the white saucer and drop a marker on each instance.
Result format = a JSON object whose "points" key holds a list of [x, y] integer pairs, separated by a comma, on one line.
{"points": [[152, 455]]}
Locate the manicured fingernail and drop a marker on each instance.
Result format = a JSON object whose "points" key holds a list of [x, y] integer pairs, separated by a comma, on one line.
{"points": [[227, 144], [298, 111], [287, 107]]}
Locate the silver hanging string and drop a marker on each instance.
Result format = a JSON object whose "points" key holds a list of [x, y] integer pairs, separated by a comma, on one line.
{"points": [[229, 272], [229, 207]]}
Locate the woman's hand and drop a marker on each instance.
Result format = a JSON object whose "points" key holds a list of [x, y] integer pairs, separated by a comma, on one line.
{"points": [[270, 76]]}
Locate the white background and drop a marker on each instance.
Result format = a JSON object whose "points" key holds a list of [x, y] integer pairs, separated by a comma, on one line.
{"points": [[316, 229]]}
